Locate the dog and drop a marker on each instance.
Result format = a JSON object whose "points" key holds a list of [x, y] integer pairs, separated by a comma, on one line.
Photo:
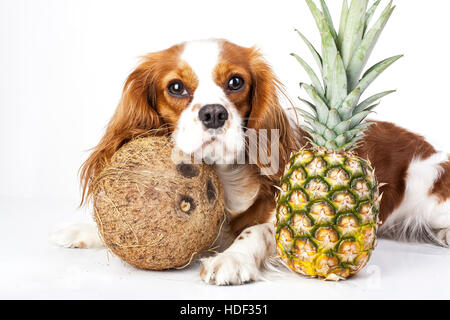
{"points": [[207, 95]]}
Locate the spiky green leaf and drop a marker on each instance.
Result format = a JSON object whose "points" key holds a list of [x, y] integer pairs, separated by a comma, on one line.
{"points": [[362, 54], [355, 134], [369, 101], [313, 50], [342, 127], [353, 29], [311, 106], [308, 119], [340, 140], [375, 71], [315, 80], [358, 118], [351, 146], [306, 113], [317, 126], [320, 105], [337, 118], [369, 14], [351, 134], [373, 106], [327, 15], [342, 24], [346, 109], [329, 134], [313, 144], [333, 118], [329, 53], [352, 99], [317, 138], [364, 125], [338, 85], [361, 128]]}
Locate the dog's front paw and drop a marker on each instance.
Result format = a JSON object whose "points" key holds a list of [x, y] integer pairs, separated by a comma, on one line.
{"points": [[229, 268], [77, 235]]}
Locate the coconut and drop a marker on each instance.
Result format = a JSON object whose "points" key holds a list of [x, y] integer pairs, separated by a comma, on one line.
{"points": [[153, 212]]}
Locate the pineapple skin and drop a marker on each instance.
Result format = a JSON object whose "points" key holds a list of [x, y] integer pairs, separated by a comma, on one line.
{"points": [[327, 214]]}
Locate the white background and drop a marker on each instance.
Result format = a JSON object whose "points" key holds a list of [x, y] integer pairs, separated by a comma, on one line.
{"points": [[63, 65]]}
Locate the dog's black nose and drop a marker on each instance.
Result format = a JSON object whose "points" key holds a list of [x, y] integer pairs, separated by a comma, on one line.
{"points": [[213, 116]]}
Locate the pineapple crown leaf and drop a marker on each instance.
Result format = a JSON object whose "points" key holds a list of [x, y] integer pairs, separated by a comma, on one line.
{"points": [[329, 20], [337, 111], [320, 106], [354, 28], [315, 80], [368, 102], [362, 54], [313, 50], [370, 14], [306, 113]]}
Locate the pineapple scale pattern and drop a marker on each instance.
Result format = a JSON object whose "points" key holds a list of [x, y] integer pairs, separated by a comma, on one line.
{"points": [[327, 214]]}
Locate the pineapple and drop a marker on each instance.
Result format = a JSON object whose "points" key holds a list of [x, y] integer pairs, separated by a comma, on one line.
{"points": [[328, 203]]}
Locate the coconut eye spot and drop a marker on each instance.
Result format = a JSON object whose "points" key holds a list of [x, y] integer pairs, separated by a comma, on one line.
{"points": [[188, 170], [211, 191], [187, 204]]}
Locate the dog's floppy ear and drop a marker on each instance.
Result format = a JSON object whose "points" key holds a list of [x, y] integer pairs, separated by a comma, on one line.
{"points": [[264, 93], [135, 115], [266, 111]]}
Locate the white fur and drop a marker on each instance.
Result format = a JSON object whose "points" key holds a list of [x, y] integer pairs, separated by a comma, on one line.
{"points": [[190, 135], [239, 186], [421, 212], [244, 260], [77, 235]]}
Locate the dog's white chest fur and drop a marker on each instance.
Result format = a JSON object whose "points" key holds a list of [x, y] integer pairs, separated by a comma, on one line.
{"points": [[240, 187]]}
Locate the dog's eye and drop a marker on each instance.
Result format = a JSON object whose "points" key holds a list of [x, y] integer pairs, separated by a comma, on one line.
{"points": [[177, 89], [235, 83]]}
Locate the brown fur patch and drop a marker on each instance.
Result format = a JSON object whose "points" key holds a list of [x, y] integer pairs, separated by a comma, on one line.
{"points": [[390, 150], [442, 185], [260, 212], [203, 271]]}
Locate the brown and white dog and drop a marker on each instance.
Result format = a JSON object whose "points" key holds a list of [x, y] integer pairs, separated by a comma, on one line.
{"points": [[207, 95]]}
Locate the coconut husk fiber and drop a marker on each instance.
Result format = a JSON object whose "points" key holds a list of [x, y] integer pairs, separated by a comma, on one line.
{"points": [[154, 213]]}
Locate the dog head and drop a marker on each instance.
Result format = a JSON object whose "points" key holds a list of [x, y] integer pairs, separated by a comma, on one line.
{"points": [[206, 94]]}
